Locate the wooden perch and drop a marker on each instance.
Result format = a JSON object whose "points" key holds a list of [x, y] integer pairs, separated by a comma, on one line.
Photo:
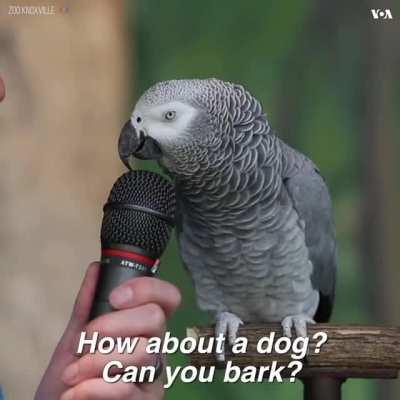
{"points": [[351, 351]]}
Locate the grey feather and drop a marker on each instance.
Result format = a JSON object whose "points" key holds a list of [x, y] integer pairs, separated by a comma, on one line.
{"points": [[311, 199], [255, 227]]}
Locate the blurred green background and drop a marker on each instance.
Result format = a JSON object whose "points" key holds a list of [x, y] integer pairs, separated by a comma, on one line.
{"points": [[327, 75], [311, 64]]}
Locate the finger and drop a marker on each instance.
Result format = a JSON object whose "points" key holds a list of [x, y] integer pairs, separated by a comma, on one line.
{"points": [[81, 310], [146, 290], [84, 299], [92, 365], [98, 389], [147, 320]]}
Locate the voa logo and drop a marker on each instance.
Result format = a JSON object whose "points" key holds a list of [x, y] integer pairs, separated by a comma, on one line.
{"points": [[378, 13]]}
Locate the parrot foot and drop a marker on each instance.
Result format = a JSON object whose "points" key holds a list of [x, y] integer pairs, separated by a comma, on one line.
{"points": [[298, 322], [227, 324]]}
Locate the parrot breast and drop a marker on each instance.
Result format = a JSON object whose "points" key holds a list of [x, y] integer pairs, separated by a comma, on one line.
{"points": [[243, 243]]}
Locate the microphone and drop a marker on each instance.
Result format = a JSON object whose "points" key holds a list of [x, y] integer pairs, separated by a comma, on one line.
{"points": [[138, 220]]}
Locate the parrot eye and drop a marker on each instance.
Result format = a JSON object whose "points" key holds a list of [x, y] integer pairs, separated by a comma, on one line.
{"points": [[170, 115]]}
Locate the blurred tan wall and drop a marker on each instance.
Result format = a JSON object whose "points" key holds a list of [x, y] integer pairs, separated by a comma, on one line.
{"points": [[67, 80]]}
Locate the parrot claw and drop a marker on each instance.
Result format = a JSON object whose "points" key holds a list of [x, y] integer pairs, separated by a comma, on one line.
{"points": [[227, 324], [298, 322]]}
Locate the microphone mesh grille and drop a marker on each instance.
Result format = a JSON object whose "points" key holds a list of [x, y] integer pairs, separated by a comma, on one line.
{"points": [[139, 228]]}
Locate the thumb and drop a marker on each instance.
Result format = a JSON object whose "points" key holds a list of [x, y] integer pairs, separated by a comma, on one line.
{"points": [[84, 300], [51, 385]]}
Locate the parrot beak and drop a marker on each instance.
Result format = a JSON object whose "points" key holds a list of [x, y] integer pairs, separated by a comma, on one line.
{"points": [[135, 144]]}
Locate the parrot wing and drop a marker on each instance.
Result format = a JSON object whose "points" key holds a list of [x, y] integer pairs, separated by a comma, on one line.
{"points": [[311, 199]]}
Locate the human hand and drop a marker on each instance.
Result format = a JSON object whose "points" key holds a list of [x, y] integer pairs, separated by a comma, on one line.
{"points": [[142, 307]]}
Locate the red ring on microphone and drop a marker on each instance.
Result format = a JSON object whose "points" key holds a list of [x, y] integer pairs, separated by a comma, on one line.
{"points": [[140, 258]]}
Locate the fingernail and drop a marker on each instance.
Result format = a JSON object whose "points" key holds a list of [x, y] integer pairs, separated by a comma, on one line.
{"points": [[69, 395], [121, 297], [70, 374]]}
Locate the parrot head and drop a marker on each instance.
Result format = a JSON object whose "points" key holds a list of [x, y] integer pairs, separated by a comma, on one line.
{"points": [[186, 125]]}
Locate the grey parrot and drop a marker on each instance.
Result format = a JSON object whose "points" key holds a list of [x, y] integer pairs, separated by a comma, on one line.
{"points": [[255, 226]]}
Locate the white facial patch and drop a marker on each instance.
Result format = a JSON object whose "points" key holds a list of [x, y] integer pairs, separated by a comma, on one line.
{"points": [[153, 121]]}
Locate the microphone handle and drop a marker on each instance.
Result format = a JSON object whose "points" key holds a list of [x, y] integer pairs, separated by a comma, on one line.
{"points": [[117, 266]]}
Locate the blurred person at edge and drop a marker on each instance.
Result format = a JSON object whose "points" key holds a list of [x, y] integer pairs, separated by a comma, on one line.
{"points": [[142, 305], [2, 94], [2, 89]]}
